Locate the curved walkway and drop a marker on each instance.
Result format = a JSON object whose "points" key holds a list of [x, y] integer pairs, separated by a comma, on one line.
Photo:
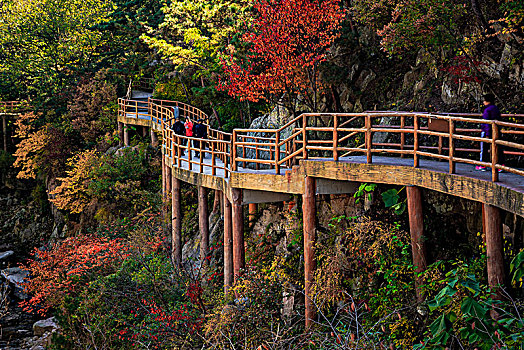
{"points": [[437, 152]]}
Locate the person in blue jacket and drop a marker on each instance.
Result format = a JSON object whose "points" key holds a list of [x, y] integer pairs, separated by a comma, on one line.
{"points": [[491, 112]]}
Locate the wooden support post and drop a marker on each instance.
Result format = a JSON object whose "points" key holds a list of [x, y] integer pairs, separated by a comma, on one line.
{"points": [[126, 135], [144, 131], [168, 180], [203, 223], [228, 246], [416, 229], [176, 218], [163, 175], [120, 134], [494, 246], [309, 216], [252, 213], [154, 138], [4, 132], [237, 215], [216, 201]]}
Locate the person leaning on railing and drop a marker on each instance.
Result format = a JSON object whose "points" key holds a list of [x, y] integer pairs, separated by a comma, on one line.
{"points": [[491, 112]]}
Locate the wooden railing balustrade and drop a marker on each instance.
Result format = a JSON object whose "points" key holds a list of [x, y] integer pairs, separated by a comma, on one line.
{"points": [[11, 106], [335, 136]]}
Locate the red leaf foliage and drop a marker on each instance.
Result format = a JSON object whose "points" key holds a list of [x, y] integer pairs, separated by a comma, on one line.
{"points": [[287, 41], [64, 268]]}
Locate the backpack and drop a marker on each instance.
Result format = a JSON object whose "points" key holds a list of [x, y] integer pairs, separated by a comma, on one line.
{"points": [[189, 128]]}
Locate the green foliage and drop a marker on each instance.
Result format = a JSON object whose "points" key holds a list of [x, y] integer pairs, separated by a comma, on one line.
{"points": [[391, 199], [194, 32], [44, 42], [517, 269], [108, 185], [6, 162], [364, 189], [92, 109], [463, 311]]}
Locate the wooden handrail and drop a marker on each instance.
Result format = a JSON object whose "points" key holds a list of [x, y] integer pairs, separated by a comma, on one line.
{"points": [[340, 135]]}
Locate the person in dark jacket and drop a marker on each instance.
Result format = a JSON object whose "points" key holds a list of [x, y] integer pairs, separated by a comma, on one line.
{"points": [[180, 129], [200, 131], [491, 112]]}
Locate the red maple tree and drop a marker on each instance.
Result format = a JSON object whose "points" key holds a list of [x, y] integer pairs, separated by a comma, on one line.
{"points": [[286, 43]]}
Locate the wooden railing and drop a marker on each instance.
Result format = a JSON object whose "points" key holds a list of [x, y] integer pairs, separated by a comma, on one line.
{"points": [[11, 106], [334, 136]]}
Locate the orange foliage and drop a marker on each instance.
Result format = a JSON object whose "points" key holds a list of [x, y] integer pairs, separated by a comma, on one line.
{"points": [[72, 194], [44, 150]]}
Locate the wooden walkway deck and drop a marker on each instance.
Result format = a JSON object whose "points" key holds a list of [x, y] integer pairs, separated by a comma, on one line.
{"points": [[437, 152]]}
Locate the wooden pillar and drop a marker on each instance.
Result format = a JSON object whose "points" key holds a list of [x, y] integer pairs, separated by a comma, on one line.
{"points": [[416, 229], [126, 135], [4, 131], [176, 218], [252, 213], [154, 138], [237, 216], [494, 245], [216, 201], [228, 246], [163, 175], [120, 134], [203, 223], [168, 180], [144, 131], [309, 218]]}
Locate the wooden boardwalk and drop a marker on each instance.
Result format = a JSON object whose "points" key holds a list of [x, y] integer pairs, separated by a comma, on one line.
{"points": [[413, 150], [328, 153], [332, 153]]}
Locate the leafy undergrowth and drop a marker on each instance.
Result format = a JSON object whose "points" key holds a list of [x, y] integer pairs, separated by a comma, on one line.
{"points": [[118, 289]]}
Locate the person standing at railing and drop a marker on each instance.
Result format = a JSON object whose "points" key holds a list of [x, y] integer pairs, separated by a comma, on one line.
{"points": [[179, 129], [200, 131], [491, 112]]}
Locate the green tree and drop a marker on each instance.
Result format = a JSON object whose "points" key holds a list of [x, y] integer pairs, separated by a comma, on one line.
{"points": [[44, 43]]}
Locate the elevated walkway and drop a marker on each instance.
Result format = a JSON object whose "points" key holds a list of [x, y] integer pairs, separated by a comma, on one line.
{"points": [[437, 152]]}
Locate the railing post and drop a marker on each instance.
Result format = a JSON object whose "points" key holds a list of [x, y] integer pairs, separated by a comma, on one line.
{"points": [[451, 146], [494, 152], [201, 155], [369, 140], [277, 152], [335, 138], [402, 134], [189, 165], [180, 150], [304, 136], [213, 170], [233, 152], [415, 141]]}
